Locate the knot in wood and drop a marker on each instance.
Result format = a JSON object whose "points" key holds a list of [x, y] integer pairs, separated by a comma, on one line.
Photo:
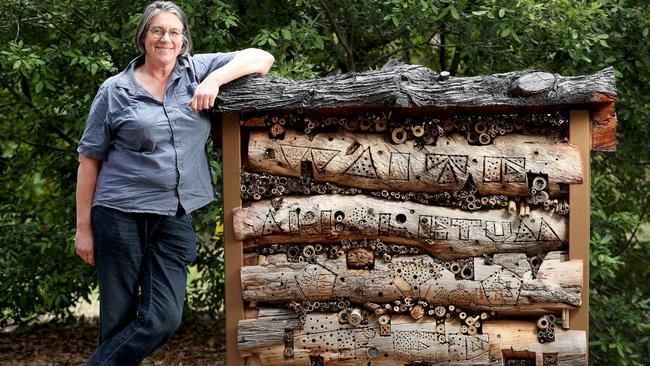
{"points": [[277, 202], [532, 83]]}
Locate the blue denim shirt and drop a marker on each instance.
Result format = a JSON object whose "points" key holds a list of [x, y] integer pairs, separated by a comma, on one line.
{"points": [[153, 152]]}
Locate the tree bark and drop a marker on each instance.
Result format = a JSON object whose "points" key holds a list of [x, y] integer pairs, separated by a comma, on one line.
{"points": [[367, 161], [603, 126], [403, 85], [507, 287], [399, 85], [443, 232]]}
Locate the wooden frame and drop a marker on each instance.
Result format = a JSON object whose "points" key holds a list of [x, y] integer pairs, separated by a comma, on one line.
{"points": [[233, 250], [580, 135], [592, 122], [579, 201]]}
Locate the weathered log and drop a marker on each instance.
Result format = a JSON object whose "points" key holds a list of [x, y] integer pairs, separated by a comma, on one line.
{"points": [[411, 341], [508, 287], [443, 232], [367, 161], [264, 331], [415, 86]]}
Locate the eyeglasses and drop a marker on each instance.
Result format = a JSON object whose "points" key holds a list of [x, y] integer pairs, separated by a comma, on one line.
{"points": [[158, 32]]}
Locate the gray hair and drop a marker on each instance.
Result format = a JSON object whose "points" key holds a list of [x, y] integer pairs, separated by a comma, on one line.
{"points": [[154, 9]]}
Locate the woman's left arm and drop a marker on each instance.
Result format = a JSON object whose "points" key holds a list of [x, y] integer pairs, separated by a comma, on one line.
{"points": [[245, 62]]}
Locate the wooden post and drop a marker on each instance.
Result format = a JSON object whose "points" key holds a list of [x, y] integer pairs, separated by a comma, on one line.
{"points": [[579, 216], [233, 250]]}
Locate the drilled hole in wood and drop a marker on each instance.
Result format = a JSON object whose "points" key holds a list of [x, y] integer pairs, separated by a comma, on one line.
{"points": [[467, 272]]}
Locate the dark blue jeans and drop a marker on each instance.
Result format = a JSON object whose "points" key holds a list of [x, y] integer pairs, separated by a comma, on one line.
{"points": [[141, 264]]}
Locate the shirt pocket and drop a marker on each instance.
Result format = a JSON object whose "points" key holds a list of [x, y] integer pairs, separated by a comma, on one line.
{"points": [[184, 93], [133, 133]]}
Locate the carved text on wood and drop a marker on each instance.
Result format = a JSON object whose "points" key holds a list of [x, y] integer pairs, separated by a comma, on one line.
{"points": [[366, 160], [446, 233]]}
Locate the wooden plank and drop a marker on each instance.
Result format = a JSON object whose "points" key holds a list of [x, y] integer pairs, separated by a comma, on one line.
{"points": [[366, 160], [255, 333], [579, 216], [494, 287], [415, 341], [444, 232], [233, 253], [415, 86]]}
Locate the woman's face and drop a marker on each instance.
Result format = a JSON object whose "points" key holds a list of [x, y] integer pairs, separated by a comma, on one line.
{"points": [[163, 39]]}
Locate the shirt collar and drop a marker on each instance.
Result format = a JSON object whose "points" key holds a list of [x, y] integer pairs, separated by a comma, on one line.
{"points": [[127, 81]]}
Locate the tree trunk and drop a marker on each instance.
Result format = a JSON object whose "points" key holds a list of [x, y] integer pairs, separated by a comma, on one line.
{"points": [[399, 85], [506, 286], [367, 161], [324, 339], [443, 232]]}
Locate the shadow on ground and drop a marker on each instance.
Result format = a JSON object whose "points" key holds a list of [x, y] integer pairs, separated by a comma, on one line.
{"points": [[199, 342]]}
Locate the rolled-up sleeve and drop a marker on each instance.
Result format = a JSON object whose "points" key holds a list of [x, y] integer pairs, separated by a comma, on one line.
{"points": [[96, 136], [206, 63]]}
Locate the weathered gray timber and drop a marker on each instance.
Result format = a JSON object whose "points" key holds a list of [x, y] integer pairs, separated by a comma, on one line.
{"points": [[403, 85], [446, 233], [366, 160], [264, 331], [506, 286], [411, 341], [398, 85]]}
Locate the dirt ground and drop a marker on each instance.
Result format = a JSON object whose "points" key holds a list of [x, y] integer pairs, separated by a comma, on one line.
{"points": [[199, 343]]}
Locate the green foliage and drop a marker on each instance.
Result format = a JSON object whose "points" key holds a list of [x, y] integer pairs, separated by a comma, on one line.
{"points": [[206, 293], [620, 254], [57, 55]]}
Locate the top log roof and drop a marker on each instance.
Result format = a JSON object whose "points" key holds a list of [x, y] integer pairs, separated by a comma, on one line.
{"points": [[403, 86]]}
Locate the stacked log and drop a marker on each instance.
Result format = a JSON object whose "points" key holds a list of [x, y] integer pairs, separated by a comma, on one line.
{"points": [[507, 285], [323, 340], [366, 160], [344, 275], [444, 232]]}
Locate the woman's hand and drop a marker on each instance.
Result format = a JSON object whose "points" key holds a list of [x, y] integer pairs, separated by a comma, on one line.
{"points": [[86, 181], [83, 243], [245, 62], [204, 95]]}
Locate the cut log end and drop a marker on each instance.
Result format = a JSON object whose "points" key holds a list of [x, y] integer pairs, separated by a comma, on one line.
{"points": [[532, 84]]}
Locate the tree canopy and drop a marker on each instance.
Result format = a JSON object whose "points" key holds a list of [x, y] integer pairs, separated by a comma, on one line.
{"points": [[56, 54]]}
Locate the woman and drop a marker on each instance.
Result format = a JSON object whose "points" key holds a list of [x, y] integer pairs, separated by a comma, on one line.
{"points": [[143, 169]]}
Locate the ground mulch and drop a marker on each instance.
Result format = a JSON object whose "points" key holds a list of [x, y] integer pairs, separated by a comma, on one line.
{"points": [[198, 342]]}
